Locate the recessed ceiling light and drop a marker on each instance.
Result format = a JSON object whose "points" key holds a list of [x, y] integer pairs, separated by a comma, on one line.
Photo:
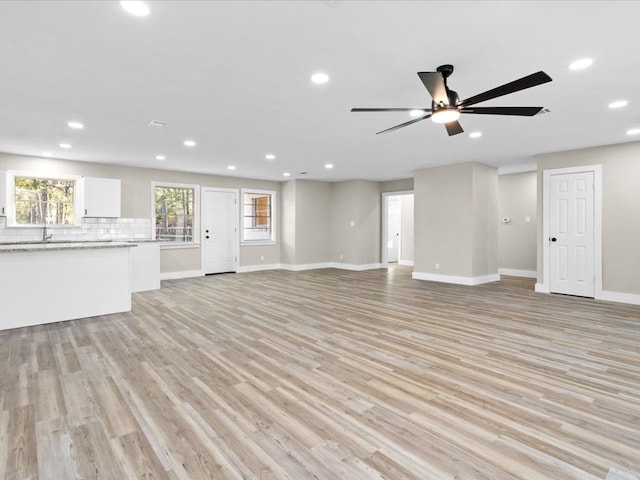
{"points": [[475, 134], [160, 157], [270, 156], [580, 64], [136, 7], [76, 125], [416, 113], [328, 166], [633, 131], [64, 145], [286, 174], [319, 78], [189, 143], [47, 154], [231, 167], [618, 104]]}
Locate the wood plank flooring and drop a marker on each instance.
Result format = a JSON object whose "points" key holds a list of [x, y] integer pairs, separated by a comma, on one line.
{"points": [[327, 374]]}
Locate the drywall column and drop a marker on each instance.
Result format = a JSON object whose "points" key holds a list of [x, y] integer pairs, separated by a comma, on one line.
{"points": [[305, 224], [456, 224]]}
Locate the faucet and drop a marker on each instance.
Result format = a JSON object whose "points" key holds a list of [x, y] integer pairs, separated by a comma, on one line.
{"points": [[45, 237]]}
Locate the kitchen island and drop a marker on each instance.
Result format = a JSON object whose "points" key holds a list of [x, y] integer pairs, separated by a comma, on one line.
{"points": [[50, 282]]}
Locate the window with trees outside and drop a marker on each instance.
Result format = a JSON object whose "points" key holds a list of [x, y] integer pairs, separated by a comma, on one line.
{"points": [[39, 201], [175, 213], [258, 216]]}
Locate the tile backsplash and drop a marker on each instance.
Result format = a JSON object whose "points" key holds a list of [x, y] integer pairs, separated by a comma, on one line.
{"points": [[92, 229]]}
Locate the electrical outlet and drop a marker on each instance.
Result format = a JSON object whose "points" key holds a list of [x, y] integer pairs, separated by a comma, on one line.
{"points": [[341, 256], [261, 257], [437, 266]]}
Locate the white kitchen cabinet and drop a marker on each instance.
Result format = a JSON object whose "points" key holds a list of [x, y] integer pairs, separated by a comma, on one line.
{"points": [[101, 197], [3, 193], [145, 266]]}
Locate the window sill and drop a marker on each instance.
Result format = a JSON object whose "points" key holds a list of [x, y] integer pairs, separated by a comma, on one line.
{"points": [[258, 243], [177, 246]]}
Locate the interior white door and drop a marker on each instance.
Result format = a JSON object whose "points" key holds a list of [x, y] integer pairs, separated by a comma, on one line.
{"points": [[219, 231], [571, 234], [394, 225]]}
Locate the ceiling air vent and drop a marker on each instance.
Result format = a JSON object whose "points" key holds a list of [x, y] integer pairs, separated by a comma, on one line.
{"points": [[157, 124]]}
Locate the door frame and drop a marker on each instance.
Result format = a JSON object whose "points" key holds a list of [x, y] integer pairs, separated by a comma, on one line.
{"points": [[236, 215], [544, 287], [384, 257]]}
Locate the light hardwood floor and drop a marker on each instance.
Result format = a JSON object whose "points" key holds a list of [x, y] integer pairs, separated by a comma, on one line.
{"points": [[327, 374]]}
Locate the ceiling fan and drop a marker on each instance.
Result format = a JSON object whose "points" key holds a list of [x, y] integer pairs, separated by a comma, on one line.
{"points": [[446, 106]]}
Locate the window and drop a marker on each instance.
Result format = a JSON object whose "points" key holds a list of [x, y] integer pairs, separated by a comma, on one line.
{"points": [[258, 216], [174, 210], [38, 201]]}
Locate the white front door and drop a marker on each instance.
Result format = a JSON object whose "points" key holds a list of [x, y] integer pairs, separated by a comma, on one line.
{"points": [[219, 230], [571, 234]]}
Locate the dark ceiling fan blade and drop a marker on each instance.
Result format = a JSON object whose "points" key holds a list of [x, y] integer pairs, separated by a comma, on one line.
{"points": [[425, 110], [524, 111], [404, 124], [434, 82], [529, 81], [453, 128]]}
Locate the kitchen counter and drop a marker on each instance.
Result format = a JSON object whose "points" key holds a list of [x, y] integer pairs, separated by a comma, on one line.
{"points": [[56, 281], [38, 246]]}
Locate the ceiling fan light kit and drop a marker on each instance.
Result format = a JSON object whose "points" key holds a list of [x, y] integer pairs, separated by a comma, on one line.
{"points": [[446, 107]]}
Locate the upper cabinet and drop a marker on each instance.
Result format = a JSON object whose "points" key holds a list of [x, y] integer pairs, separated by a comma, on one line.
{"points": [[101, 197], [3, 193]]}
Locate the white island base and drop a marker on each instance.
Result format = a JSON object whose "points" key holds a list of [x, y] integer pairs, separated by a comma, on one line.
{"points": [[55, 283]]}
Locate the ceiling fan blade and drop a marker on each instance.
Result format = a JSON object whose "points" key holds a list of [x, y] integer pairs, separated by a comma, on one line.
{"points": [[453, 128], [434, 82], [425, 110], [524, 111], [404, 124], [529, 81]]}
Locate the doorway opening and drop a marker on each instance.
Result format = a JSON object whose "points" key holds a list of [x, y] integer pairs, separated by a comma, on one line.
{"points": [[397, 228]]}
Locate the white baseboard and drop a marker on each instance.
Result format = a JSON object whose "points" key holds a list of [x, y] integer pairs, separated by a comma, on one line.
{"points": [[541, 288], [258, 268], [407, 263], [518, 273], [301, 267], [632, 298], [434, 277], [356, 268], [179, 275], [309, 266]]}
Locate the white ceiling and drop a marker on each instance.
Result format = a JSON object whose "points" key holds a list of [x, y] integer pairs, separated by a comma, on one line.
{"points": [[234, 76]]}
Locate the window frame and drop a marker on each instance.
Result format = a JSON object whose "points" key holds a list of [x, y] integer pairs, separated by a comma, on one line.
{"points": [[196, 214], [274, 216], [78, 198]]}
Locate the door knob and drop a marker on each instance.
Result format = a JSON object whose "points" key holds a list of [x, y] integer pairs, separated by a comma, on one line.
{"points": [[553, 239]]}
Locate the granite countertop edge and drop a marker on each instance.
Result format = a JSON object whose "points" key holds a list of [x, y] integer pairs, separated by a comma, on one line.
{"points": [[46, 246]]}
